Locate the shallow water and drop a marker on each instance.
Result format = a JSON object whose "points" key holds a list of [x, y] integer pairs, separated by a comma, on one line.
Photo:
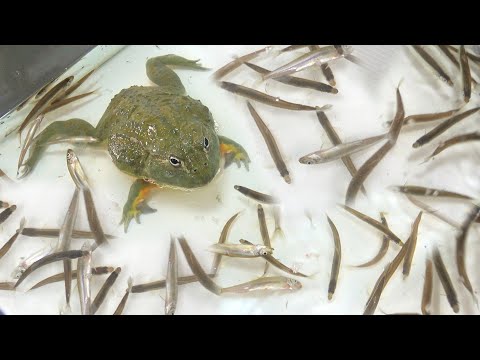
{"points": [[364, 103]]}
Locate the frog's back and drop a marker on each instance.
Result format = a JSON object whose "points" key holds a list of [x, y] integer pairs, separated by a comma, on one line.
{"points": [[140, 105]]}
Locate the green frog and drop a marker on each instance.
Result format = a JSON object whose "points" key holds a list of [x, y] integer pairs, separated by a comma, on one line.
{"points": [[157, 134]]}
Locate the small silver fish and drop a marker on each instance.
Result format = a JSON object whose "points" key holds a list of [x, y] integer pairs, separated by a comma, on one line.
{"points": [[222, 239], [39, 108], [102, 293], [320, 56], [241, 250], [73, 140], [197, 269], [341, 150], [265, 284], [26, 145], [80, 179], [12, 239], [76, 171], [27, 262], [58, 256], [64, 241], [84, 274], [123, 302], [171, 285]]}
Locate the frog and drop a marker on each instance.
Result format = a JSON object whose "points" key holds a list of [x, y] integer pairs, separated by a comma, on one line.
{"points": [[157, 134]]}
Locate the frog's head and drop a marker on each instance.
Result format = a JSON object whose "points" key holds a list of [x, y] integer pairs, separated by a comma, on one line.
{"points": [[189, 159], [184, 156]]}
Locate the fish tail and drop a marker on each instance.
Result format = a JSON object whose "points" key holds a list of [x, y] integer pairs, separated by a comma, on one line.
{"points": [[278, 232], [324, 107]]}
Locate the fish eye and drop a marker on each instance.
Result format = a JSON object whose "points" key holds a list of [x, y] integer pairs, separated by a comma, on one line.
{"points": [[206, 143], [175, 161]]}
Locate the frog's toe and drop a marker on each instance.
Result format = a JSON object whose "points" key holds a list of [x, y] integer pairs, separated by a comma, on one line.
{"points": [[126, 218], [242, 158], [234, 152], [239, 157], [134, 212]]}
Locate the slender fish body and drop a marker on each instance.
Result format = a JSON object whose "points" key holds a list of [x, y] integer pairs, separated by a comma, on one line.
{"points": [[84, 274], [228, 68], [424, 191], [102, 293], [160, 284], [427, 287], [340, 151], [123, 302], [297, 82], [59, 256], [277, 263], [12, 240], [46, 100], [263, 231], [407, 262], [383, 280], [54, 233], [337, 258], [255, 195], [80, 179], [461, 241], [26, 145], [196, 268], [383, 249], [264, 98], [264, 284], [320, 56], [372, 222], [100, 270], [456, 140], [466, 75], [172, 280], [367, 168], [335, 140], [431, 61], [64, 241], [271, 144], [445, 280], [222, 240], [444, 126], [240, 250]]}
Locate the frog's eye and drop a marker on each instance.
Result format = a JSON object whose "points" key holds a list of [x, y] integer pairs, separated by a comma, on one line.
{"points": [[174, 161], [206, 143]]}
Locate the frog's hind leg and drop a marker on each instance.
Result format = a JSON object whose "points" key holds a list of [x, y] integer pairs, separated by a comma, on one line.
{"points": [[55, 131], [159, 73], [233, 152], [136, 203]]}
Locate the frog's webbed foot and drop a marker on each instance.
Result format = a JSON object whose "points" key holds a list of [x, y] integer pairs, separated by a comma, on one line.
{"points": [[159, 73], [136, 203], [70, 130], [233, 152], [176, 60]]}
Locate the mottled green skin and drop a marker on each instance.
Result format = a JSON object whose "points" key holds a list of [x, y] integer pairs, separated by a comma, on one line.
{"points": [[142, 127]]}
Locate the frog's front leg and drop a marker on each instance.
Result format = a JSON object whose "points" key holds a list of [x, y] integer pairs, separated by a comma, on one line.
{"points": [[136, 202], [233, 152]]}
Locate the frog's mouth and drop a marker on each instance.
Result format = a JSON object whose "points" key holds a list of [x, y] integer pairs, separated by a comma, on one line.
{"points": [[190, 188], [151, 181]]}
